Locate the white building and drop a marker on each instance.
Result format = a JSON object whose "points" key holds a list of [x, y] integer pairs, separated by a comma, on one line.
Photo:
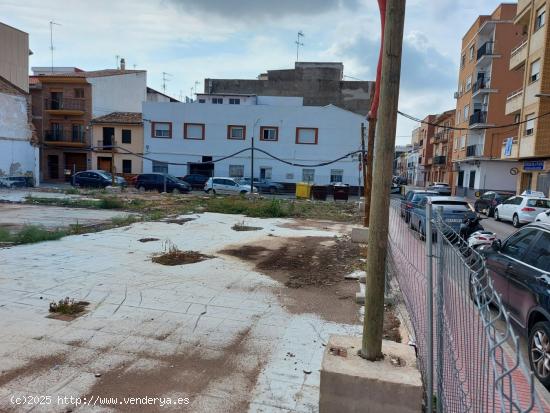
{"points": [[187, 134]]}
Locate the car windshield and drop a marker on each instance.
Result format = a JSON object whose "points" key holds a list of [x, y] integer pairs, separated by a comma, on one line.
{"points": [[539, 203], [419, 197]]}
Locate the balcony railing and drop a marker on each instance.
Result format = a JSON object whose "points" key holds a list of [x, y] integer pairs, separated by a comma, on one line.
{"points": [[474, 150], [481, 84], [65, 104], [64, 136], [440, 160], [105, 145], [478, 117], [487, 49]]}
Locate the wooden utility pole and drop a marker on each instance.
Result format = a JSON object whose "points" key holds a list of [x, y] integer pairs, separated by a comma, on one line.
{"points": [[382, 175], [368, 161]]}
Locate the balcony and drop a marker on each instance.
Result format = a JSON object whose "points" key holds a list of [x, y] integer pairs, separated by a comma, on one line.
{"points": [[518, 56], [65, 106], [487, 49], [478, 119], [65, 138], [104, 145], [474, 151], [440, 160], [482, 86], [514, 102]]}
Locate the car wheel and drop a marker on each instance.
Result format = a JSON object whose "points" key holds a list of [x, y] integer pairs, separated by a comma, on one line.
{"points": [[497, 217], [539, 351], [490, 212], [273, 190], [515, 221]]}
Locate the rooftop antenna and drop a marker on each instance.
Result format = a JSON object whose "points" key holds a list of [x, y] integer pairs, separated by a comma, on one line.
{"points": [[299, 43], [52, 23], [181, 95], [117, 58], [164, 80], [196, 84]]}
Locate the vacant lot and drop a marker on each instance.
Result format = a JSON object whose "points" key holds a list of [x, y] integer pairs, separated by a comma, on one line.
{"points": [[232, 332]]}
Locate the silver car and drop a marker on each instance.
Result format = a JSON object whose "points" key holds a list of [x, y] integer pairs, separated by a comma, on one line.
{"points": [[228, 186]]}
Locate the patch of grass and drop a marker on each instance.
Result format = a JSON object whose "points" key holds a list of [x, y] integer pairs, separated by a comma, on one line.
{"points": [[241, 226], [5, 236], [68, 306], [72, 191], [111, 202], [122, 221], [34, 233], [174, 256]]}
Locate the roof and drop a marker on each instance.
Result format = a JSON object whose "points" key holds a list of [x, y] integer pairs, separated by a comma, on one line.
{"points": [[94, 73], [229, 94], [151, 90], [9, 88], [124, 118]]}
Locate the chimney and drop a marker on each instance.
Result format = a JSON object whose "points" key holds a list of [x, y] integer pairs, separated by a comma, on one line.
{"points": [[122, 64]]}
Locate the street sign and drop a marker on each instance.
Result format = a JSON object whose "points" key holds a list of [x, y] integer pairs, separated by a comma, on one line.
{"points": [[533, 165]]}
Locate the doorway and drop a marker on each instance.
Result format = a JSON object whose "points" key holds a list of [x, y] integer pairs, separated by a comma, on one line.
{"points": [[205, 168], [265, 173], [53, 166], [104, 163], [472, 181]]}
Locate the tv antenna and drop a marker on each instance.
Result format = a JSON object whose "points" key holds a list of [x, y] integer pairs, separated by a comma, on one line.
{"points": [[52, 23], [165, 79], [117, 58], [299, 43]]}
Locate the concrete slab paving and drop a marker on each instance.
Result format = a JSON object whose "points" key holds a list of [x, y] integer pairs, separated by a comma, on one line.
{"points": [[213, 331]]}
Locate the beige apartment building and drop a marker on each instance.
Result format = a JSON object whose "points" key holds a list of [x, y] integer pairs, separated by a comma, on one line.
{"points": [[121, 134], [530, 59], [483, 87]]}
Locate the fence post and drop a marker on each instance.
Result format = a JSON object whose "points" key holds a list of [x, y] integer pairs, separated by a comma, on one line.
{"points": [[429, 308], [439, 326]]}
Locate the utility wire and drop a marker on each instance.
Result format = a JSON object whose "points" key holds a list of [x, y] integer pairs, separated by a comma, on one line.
{"points": [[508, 125]]}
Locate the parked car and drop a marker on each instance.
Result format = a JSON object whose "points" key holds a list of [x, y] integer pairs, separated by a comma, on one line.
{"points": [[411, 199], [96, 179], [488, 201], [16, 181], [263, 185], [455, 211], [228, 186], [543, 217], [196, 181], [441, 188], [521, 209], [520, 270], [157, 182]]}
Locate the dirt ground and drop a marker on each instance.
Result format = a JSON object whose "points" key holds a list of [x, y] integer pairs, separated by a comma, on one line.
{"points": [[313, 270]]}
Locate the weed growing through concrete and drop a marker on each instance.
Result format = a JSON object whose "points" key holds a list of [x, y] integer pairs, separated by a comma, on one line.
{"points": [[174, 256], [68, 306], [241, 226]]}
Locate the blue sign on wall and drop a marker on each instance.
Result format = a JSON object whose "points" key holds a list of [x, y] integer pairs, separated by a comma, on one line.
{"points": [[533, 165]]}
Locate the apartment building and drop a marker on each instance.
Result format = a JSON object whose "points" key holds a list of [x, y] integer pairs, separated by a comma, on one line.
{"points": [[317, 83], [483, 86], [61, 114], [121, 134], [181, 138], [442, 141], [530, 60], [18, 143], [424, 136]]}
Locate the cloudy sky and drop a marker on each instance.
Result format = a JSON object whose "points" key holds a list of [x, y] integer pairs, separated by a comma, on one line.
{"points": [[194, 39]]}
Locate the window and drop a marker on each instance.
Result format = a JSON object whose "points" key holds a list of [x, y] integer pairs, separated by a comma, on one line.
{"points": [[539, 20], [79, 93], [308, 175], [455, 146], [457, 116], [217, 101], [193, 131], [471, 53], [126, 136], [539, 256], [530, 124], [307, 136], [336, 175], [78, 132], [266, 172], [518, 243], [269, 133], [236, 132], [463, 61], [160, 167], [236, 171], [535, 71], [466, 111], [126, 166], [462, 141], [202, 101], [161, 130], [468, 83], [108, 136], [234, 101]]}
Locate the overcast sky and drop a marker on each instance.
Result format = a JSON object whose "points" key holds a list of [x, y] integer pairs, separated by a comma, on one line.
{"points": [[195, 39]]}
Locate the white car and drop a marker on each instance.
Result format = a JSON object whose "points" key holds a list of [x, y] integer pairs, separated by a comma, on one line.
{"points": [[543, 217], [228, 186], [521, 209]]}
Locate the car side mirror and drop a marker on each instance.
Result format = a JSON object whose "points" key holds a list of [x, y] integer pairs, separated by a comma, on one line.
{"points": [[497, 245]]}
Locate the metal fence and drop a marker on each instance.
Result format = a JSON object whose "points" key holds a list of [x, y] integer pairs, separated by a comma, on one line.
{"points": [[467, 350]]}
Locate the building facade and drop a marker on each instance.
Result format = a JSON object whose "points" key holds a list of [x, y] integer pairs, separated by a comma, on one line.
{"points": [[120, 133], [442, 141], [483, 86], [424, 136], [530, 59], [182, 138], [319, 84], [18, 143]]}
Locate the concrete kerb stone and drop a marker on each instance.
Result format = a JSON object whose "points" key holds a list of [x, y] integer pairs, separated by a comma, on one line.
{"points": [[351, 384], [360, 235]]}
